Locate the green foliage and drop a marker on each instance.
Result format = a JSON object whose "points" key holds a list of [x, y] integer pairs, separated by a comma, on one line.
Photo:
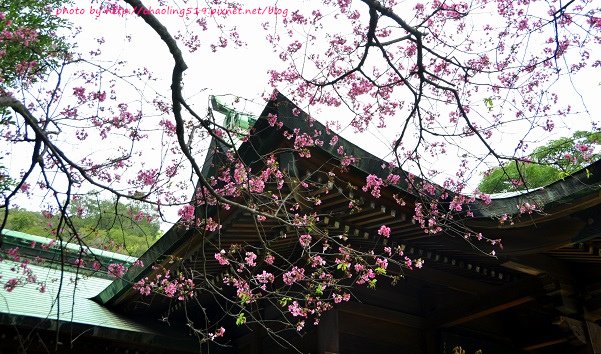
{"points": [[342, 266], [489, 103], [5, 181], [517, 176], [118, 227], [241, 319], [372, 283], [284, 301], [566, 153], [30, 222], [23, 17], [549, 163], [380, 271]]}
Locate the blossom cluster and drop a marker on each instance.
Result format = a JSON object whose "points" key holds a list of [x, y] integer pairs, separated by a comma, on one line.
{"points": [[179, 286], [22, 273]]}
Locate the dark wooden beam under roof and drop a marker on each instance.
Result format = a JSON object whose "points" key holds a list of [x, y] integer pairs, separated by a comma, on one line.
{"points": [[545, 344], [486, 304], [383, 314], [537, 264], [451, 281]]}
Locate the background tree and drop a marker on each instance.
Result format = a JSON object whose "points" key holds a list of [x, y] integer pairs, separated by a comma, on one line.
{"points": [[104, 224], [549, 163], [29, 43]]}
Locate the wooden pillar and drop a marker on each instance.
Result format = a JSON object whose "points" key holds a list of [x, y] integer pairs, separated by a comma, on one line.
{"points": [[329, 333]]}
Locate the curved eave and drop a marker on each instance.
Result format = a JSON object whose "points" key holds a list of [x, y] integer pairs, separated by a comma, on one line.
{"points": [[576, 192]]}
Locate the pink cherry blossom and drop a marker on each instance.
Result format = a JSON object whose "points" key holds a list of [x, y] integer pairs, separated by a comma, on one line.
{"points": [[384, 231]]}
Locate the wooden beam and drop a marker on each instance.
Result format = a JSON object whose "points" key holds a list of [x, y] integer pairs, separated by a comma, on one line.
{"points": [[452, 281], [536, 264], [488, 311], [382, 314], [544, 344], [374, 220], [487, 304]]}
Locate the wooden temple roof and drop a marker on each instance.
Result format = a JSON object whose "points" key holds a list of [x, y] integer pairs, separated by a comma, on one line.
{"points": [[549, 267]]}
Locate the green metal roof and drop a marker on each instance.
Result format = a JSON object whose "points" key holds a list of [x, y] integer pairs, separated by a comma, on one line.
{"points": [[67, 298], [18, 239], [54, 252], [68, 291]]}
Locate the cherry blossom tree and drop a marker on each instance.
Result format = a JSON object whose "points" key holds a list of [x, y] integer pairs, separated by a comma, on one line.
{"points": [[482, 81]]}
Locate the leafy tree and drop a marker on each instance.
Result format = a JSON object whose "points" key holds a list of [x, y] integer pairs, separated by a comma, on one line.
{"points": [[5, 181], [127, 228], [29, 43], [549, 163], [30, 222], [104, 224], [30, 47]]}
